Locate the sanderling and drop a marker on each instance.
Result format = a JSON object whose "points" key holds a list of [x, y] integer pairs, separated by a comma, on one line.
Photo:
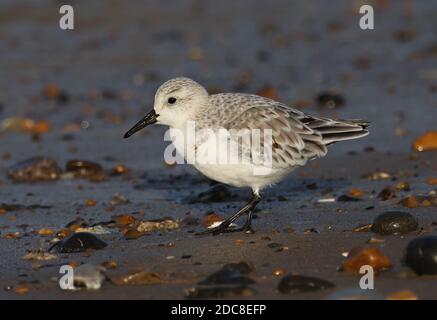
{"points": [[296, 136]]}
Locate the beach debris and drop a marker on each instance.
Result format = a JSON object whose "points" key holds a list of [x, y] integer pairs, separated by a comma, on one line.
{"points": [[360, 256], [291, 284], [426, 142], [79, 242], [35, 169], [394, 222], [421, 255]]}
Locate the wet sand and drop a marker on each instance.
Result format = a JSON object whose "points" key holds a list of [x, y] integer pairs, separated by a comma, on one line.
{"points": [[110, 67]]}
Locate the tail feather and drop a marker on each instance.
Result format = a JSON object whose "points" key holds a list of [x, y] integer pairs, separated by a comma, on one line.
{"points": [[339, 130]]}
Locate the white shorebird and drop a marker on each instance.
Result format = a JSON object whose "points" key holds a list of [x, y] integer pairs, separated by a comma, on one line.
{"points": [[296, 136]]}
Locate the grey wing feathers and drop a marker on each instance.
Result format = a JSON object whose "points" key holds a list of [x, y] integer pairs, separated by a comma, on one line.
{"points": [[293, 142], [337, 130], [297, 137]]}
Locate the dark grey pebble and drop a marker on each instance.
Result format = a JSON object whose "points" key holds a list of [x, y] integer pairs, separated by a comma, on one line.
{"points": [[296, 284], [79, 242], [421, 255], [218, 193], [394, 222], [232, 274]]}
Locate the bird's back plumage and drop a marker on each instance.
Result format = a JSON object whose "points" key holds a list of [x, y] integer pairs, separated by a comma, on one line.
{"points": [[297, 137]]}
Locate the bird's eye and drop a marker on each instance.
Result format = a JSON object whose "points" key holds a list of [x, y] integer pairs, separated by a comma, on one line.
{"points": [[171, 100]]}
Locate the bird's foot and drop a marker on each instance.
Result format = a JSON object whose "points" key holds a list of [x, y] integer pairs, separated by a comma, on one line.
{"points": [[226, 228]]}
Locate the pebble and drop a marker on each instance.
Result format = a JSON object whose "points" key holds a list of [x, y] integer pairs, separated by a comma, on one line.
{"points": [[35, 169], [361, 256], [402, 295], [426, 142], [136, 278], [421, 255], [394, 222], [386, 194], [330, 100], [218, 193], [166, 223], [79, 242], [84, 169], [297, 284], [232, 274]]}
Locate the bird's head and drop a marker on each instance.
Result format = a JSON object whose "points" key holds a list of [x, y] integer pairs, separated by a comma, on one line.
{"points": [[176, 101]]}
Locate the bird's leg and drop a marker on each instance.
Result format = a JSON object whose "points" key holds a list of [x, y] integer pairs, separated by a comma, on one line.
{"points": [[247, 209]]}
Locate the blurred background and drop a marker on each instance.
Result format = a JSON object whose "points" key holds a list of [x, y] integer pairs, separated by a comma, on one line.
{"points": [[96, 80], [69, 96]]}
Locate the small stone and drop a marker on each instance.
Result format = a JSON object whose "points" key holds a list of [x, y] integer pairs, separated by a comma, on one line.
{"points": [[278, 272], [38, 255], [409, 202], [217, 193], [403, 185], [119, 169], [394, 222], [346, 198], [91, 203], [79, 242], [35, 169], [166, 223], [230, 274], [360, 256], [330, 100], [210, 218], [355, 192], [426, 142], [136, 278], [432, 181], [386, 194], [21, 289], [83, 168], [402, 295], [296, 284], [421, 255], [45, 232]]}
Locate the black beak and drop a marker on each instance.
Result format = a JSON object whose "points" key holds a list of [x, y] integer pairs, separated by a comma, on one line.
{"points": [[149, 119]]}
